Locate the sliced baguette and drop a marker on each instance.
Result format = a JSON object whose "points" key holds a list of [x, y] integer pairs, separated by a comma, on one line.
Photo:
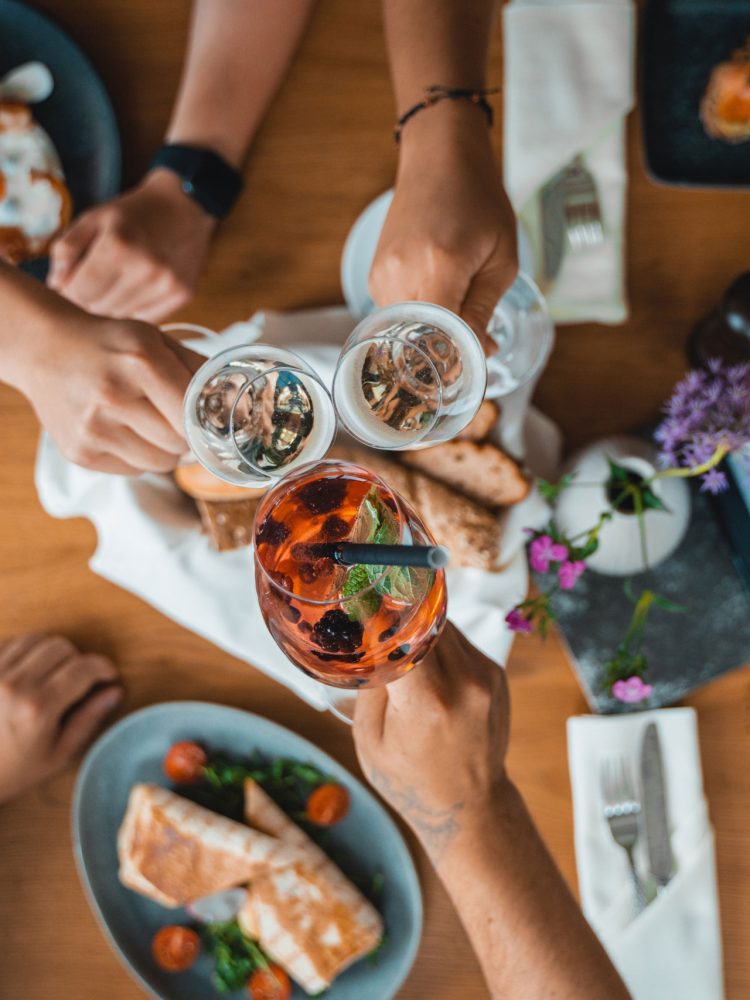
{"points": [[228, 524], [200, 484], [484, 420], [480, 471], [469, 530]]}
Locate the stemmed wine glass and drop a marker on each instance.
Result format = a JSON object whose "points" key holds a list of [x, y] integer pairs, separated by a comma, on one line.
{"points": [[345, 621], [254, 413], [413, 374]]}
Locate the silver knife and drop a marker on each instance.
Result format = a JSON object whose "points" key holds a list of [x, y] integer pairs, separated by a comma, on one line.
{"points": [[553, 225], [661, 862]]}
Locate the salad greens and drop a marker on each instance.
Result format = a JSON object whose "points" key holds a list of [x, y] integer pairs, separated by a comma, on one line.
{"points": [[235, 956], [288, 782]]}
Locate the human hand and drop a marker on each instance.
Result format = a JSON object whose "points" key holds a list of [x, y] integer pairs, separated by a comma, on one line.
{"points": [[109, 392], [53, 700], [138, 256], [450, 233], [433, 742]]}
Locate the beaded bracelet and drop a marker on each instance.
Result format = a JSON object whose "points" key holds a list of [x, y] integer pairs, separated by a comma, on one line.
{"points": [[437, 93]]}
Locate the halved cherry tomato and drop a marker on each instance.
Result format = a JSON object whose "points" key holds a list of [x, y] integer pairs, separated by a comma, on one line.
{"points": [[175, 948], [185, 762], [328, 804], [269, 984]]}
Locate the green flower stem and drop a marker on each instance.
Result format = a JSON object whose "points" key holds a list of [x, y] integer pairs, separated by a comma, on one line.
{"points": [[638, 503], [718, 456]]}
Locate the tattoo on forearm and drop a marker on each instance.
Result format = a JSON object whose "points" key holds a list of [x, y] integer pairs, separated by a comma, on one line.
{"points": [[436, 827]]}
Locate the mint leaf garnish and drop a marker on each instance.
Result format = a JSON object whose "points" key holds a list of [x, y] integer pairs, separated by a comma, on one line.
{"points": [[376, 524], [359, 606]]}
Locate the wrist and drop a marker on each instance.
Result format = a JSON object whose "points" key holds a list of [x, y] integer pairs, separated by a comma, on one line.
{"points": [[33, 317], [168, 187], [478, 826], [443, 131]]}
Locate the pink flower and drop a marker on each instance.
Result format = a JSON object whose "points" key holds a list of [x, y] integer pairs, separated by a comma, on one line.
{"points": [[569, 572], [517, 622], [631, 690], [543, 551]]}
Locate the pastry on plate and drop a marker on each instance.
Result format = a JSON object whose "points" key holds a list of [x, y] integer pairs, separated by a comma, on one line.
{"points": [[35, 204], [725, 108]]}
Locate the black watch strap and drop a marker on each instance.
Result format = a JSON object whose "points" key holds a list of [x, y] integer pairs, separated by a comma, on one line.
{"points": [[206, 177]]}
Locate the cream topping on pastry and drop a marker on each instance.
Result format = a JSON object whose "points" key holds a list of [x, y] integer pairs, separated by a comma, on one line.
{"points": [[29, 165]]}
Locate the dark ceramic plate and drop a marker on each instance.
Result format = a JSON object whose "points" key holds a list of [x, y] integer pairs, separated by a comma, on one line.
{"points": [[364, 843], [78, 115], [681, 43]]}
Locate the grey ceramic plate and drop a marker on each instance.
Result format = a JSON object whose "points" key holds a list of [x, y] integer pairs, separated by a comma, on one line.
{"points": [[78, 115], [366, 842]]}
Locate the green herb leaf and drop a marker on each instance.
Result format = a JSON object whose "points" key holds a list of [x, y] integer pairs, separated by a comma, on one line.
{"points": [[374, 957], [361, 600], [235, 955]]}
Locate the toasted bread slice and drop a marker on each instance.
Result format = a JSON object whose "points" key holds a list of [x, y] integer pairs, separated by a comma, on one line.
{"points": [[174, 851], [484, 420], [200, 484], [465, 527], [228, 524], [480, 471], [309, 918]]}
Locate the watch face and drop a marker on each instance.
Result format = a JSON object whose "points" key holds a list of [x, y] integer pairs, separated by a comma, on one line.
{"points": [[205, 176]]}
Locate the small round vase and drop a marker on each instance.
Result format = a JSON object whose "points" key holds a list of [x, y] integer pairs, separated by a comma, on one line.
{"points": [[579, 507]]}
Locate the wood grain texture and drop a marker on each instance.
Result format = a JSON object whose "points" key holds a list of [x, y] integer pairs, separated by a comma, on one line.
{"points": [[323, 153]]}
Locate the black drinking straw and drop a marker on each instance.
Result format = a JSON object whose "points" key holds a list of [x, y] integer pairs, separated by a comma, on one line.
{"points": [[354, 554]]}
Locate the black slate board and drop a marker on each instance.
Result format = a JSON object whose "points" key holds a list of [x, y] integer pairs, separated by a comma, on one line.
{"points": [[684, 651], [78, 115], [682, 41]]}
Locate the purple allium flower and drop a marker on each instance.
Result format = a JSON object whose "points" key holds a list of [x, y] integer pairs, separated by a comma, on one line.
{"points": [[543, 551], [707, 410], [631, 690], [714, 482], [517, 622], [569, 572]]}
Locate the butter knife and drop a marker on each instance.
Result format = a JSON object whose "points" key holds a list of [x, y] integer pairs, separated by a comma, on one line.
{"points": [[661, 862]]}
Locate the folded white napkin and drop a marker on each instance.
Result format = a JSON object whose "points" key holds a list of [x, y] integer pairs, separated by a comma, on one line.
{"points": [[568, 87], [673, 948], [149, 542]]}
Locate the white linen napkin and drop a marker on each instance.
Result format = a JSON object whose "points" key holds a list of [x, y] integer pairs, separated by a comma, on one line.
{"points": [[568, 87], [149, 542], [672, 948]]}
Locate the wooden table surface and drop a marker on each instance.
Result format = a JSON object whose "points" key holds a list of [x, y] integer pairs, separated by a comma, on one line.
{"points": [[323, 153]]}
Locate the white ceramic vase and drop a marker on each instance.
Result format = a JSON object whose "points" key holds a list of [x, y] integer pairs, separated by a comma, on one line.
{"points": [[579, 507]]}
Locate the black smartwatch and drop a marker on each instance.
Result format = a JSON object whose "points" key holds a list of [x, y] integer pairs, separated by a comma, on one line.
{"points": [[206, 177]]}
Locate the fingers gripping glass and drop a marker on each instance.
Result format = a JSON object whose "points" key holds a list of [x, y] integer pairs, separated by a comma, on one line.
{"points": [[254, 413]]}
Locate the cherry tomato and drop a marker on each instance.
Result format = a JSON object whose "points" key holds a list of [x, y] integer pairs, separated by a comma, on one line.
{"points": [[328, 804], [185, 762], [175, 948], [269, 984]]}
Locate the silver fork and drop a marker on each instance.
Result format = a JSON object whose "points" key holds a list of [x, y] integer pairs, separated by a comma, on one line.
{"points": [[583, 217], [621, 810]]}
